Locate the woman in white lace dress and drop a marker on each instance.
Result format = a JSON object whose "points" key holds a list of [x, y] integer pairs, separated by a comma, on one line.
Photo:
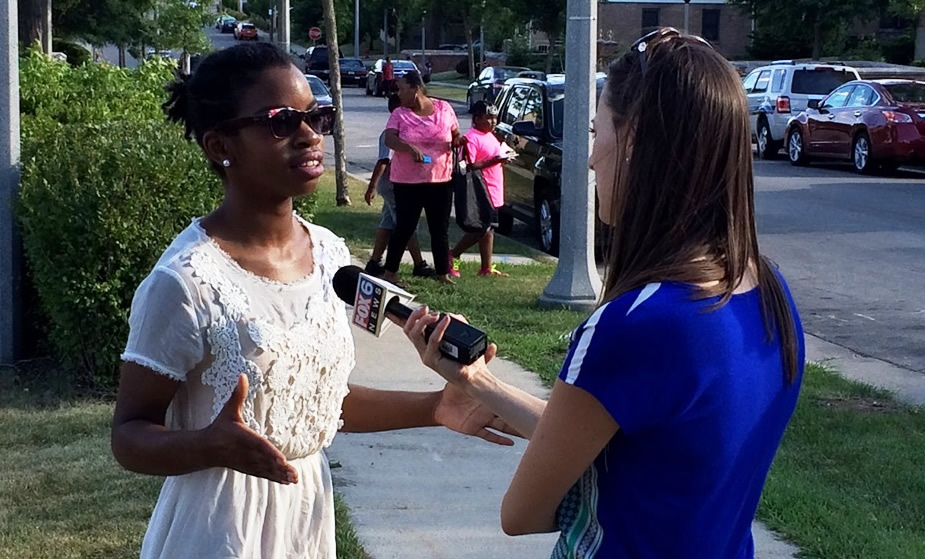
{"points": [[234, 377]]}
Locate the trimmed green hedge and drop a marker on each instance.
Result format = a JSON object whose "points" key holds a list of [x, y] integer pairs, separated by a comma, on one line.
{"points": [[107, 183]]}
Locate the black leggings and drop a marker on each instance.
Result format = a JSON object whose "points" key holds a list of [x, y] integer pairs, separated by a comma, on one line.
{"points": [[435, 199]]}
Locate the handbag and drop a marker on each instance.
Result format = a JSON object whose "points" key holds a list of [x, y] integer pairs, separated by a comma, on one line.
{"points": [[471, 202]]}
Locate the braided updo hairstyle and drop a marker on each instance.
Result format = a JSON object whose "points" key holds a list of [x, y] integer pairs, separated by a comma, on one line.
{"points": [[213, 93]]}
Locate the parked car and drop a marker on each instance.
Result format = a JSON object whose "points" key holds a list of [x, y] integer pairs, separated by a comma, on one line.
{"points": [[530, 121], [783, 89], [353, 72], [876, 124], [487, 86], [246, 32], [317, 63], [225, 23], [320, 92]]}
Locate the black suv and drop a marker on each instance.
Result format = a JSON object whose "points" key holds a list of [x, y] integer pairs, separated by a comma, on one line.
{"points": [[317, 64], [530, 121]]}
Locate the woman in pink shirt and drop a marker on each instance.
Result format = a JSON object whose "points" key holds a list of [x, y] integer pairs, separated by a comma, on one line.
{"points": [[421, 134]]}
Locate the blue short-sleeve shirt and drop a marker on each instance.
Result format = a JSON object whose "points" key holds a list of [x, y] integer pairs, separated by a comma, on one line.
{"points": [[702, 403]]}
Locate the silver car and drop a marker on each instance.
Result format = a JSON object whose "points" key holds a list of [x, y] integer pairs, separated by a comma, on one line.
{"points": [[784, 89]]}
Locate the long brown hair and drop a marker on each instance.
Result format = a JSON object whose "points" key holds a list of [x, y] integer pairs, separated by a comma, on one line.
{"points": [[683, 203]]}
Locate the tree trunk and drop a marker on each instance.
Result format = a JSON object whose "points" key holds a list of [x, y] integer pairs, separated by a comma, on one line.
{"points": [[30, 21], [122, 56], [920, 36], [468, 25], [817, 39], [340, 156], [553, 39]]}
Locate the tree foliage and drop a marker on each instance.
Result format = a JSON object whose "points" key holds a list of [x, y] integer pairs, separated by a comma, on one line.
{"points": [[783, 26]]}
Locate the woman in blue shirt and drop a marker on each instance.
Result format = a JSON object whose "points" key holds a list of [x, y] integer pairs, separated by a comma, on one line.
{"points": [[661, 428]]}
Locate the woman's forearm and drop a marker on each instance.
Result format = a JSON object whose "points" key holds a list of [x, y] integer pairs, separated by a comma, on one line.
{"points": [[517, 408], [147, 448], [367, 410], [395, 143]]}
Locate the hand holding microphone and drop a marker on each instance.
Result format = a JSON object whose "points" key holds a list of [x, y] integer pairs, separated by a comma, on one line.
{"points": [[374, 299], [427, 332]]}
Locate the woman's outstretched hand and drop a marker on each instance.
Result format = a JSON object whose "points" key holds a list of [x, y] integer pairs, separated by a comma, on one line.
{"points": [[240, 448]]}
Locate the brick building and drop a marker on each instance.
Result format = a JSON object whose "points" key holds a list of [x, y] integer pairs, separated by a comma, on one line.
{"points": [[726, 27], [620, 22]]}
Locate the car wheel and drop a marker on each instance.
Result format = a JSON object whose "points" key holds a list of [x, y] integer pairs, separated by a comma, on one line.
{"points": [[546, 209], [767, 147], [796, 150], [505, 222], [860, 154]]}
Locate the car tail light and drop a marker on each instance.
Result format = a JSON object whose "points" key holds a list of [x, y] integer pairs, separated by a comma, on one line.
{"points": [[783, 104], [894, 117]]}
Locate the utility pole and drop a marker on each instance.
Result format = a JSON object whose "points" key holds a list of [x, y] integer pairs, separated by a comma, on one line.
{"points": [[272, 23], [687, 16], [283, 30], [482, 44], [10, 244], [385, 32], [46, 29], [576, 284], [424, 40], [356, 28]]}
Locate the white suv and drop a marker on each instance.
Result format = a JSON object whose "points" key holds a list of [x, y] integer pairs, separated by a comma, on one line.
{"points": [[784, 89]]}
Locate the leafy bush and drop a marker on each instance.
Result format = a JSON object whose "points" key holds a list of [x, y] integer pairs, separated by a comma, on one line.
{"points": [[53, 93], [107, 183], [95, 223]]}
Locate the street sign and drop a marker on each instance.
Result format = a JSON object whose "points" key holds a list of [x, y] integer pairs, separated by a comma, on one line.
{"points": [[314, 33]]}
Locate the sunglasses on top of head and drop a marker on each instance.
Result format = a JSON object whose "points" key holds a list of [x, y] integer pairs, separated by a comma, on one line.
{"points": [[284, 122], [661, 34]]}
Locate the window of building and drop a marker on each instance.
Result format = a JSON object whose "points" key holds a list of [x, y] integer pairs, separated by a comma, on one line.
{"points": [[710, 25], [649, 19]]}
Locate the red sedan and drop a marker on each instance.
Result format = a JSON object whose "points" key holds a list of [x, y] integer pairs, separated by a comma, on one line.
{"points": [[875, 124]]}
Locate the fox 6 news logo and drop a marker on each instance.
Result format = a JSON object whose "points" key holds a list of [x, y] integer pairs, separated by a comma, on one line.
{"points": [[363, 306]]}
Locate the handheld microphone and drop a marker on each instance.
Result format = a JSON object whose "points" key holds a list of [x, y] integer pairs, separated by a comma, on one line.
{"points": [[373, 299]]}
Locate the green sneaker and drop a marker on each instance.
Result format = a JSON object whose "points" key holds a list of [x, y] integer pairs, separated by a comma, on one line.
{"points": [[454, 269]]}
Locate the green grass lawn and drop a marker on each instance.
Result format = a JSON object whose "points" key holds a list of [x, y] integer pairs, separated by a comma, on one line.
{"points": [[62, 495], [450, 93], [849, 480]]}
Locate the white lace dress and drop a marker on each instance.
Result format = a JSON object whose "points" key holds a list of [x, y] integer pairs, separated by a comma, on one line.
{"points": [[201, 319]]}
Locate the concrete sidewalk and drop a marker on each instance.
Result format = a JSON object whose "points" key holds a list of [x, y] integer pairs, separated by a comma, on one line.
{"points": [[431, 492]]}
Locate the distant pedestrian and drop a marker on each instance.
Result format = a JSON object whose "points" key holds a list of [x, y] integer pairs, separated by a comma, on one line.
{"points": [[486, 154], [421, 134], [380, 183], [388, 76]]}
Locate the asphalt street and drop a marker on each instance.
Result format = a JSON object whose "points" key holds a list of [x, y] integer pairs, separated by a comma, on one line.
{"points": [[852, 247]]}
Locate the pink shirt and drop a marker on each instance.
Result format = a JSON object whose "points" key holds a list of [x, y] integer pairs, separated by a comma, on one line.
{"points": [[430, 134], [483, 146]]}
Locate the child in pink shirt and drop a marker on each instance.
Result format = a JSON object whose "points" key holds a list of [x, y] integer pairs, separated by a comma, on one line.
{"points": [[486, 153]]}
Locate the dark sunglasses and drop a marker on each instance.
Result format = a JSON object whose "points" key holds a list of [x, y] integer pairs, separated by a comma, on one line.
{"points": [[284, 122], [642, 43]]}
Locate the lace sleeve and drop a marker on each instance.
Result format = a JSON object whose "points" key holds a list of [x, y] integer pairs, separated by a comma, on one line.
{"points": [[164, 331]]}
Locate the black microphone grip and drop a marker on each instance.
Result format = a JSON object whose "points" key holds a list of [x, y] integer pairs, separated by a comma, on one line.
{"points": [[461, 342]]}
